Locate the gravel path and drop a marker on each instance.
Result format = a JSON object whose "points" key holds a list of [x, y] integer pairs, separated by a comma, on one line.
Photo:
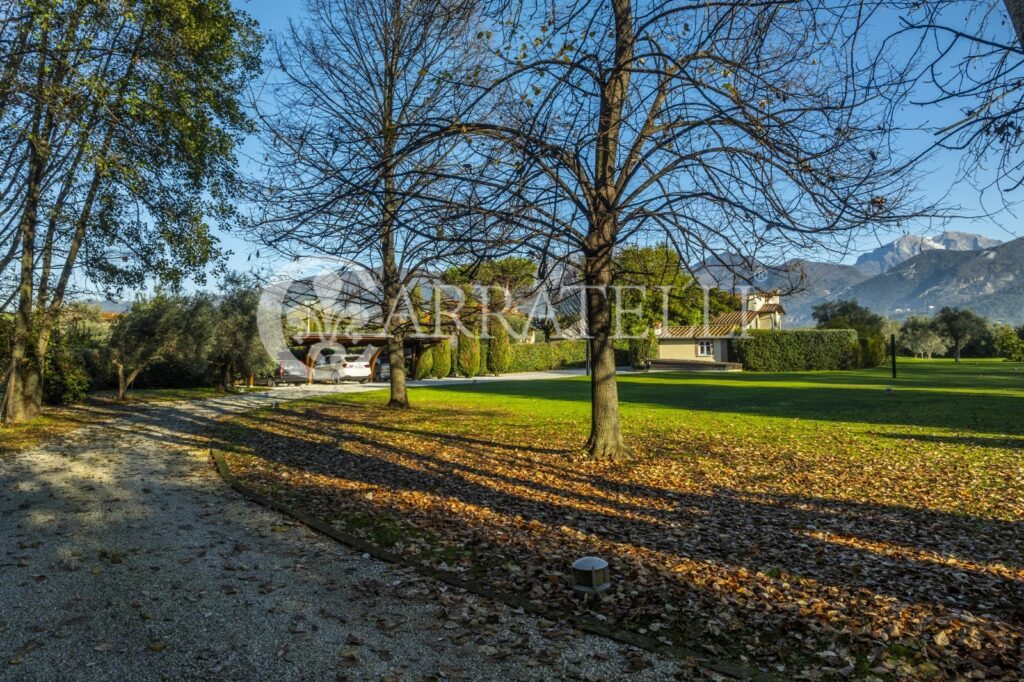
{"points": [[123, 556]]}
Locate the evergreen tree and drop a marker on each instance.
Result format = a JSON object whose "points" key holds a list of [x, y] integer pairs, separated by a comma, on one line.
{"points": [[469, 355], [499, 351], [425, 366], [441, 356]]}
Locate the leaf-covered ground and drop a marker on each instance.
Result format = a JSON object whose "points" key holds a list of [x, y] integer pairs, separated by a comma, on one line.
{"points": [[57, 422], [811, 525]]}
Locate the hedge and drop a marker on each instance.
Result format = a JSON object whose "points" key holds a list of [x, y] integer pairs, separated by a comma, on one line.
{"points": [[541, 356], [799, 350]]}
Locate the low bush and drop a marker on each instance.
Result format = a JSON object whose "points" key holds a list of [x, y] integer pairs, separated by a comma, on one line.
{"points": [[66, 381], [799, 350]]}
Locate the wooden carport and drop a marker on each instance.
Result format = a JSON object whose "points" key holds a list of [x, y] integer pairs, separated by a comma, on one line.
{"points": [[415, 343]]}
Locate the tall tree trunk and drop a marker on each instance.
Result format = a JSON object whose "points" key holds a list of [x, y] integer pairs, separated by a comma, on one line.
{"points": [[605, 430], [396, 355], [23, 396], [394, 327], [225, 376], [605, 440], [122, 385]]}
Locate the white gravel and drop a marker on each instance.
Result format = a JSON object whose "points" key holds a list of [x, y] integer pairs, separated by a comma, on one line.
{"points": [[123, 556]]}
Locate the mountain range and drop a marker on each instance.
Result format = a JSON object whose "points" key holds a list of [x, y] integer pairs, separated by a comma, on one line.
{"points": [[911, 275], [888, 256]]}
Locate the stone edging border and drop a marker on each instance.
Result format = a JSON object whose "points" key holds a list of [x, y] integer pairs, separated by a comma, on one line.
{"points": [[588, 625]]}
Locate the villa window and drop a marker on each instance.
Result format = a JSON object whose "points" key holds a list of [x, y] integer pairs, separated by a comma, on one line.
{"points": [[705, 348]]}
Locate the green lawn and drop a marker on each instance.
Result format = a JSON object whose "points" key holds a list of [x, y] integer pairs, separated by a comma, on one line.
{"points": [[807, 523], [982, 396]]}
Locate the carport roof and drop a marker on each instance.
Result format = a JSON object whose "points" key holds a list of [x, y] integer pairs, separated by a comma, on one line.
{"points": [[377, 338]]}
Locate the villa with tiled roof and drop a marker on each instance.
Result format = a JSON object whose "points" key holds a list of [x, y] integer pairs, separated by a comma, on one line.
{"points": [[710, 343]]}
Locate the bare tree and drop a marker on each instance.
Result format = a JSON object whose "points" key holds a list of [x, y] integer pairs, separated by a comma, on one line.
{"points": [[968, 67], [753, 128], [359, 82]]}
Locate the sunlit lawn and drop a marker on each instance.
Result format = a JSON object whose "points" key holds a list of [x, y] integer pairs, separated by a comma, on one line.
{"points": [[805, 522]]}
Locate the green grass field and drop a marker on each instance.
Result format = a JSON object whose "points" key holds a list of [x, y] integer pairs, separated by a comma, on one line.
{"points": [[763, 517], [982, 396]]}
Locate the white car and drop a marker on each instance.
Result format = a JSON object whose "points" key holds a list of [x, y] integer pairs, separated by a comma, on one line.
{"points": [[338, 368]]}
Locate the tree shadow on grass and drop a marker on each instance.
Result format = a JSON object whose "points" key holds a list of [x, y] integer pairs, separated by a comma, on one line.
{"points": [[915, 556], [982, 412], [999, 442]]}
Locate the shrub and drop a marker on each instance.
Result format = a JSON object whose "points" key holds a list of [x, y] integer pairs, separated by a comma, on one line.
{"points": [[441, 359], [425, 365], [66, 380], [641, 350], [499, 353], [799, 350], [1008, 343], [469, 355], [871, 351]]}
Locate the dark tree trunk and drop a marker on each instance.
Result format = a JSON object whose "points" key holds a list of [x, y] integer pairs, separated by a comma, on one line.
{"points": [[396, 355], [605, 430], [605, 440], [225, 376], [122, 384], [23, 397]]}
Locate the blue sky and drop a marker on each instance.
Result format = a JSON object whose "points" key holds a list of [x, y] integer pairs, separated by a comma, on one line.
{"points": [[939, 185]]}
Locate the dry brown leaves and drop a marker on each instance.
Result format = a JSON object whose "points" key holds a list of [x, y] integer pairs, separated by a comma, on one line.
{"points": [[798, 562]]}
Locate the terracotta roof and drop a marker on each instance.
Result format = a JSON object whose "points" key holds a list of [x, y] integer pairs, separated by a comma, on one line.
{"points": [[735, 318], [698, 332], [771, 308]]}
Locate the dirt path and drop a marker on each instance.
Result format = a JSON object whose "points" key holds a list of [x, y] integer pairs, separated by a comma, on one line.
{"points": [[123, 556]]}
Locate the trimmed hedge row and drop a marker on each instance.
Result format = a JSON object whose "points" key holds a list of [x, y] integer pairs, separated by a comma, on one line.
{"points": [[801, 350], [538, 357]]}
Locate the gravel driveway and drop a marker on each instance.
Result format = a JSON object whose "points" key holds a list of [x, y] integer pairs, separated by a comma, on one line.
{"points": [[123, 556]]}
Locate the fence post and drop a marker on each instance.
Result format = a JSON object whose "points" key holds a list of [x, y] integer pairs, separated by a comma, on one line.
{"points": [[892, 352]]}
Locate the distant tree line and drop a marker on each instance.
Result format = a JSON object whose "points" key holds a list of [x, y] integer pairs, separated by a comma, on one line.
{"points": [[952, 332]]}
